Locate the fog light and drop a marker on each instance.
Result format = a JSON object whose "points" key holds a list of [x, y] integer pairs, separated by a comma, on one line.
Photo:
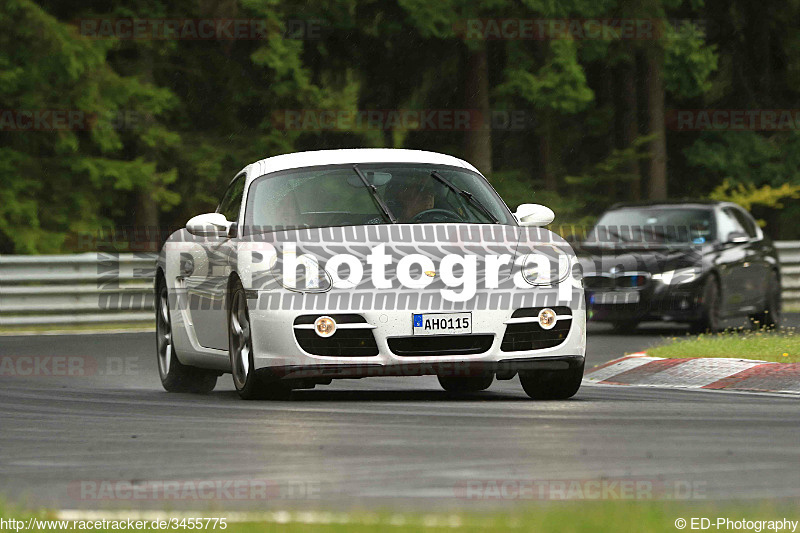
{"points": [[325, 326], [547, 318]]}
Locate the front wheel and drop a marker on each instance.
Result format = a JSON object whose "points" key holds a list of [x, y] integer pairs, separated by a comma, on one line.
{"points": [[770, 318], [466, 383], [552, 384], [251, 384], [175, 376], [710, 303]]}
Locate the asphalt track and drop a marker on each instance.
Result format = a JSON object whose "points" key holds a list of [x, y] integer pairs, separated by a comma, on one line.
{"points": [[389, 443]]}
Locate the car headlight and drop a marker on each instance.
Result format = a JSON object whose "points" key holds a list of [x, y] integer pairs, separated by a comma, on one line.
{"points": [[546, 268], [302, 274], [678, 276]]}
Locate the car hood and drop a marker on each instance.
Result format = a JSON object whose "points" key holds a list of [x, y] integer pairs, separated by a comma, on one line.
{"points": [[609, 260], [433, 241]]}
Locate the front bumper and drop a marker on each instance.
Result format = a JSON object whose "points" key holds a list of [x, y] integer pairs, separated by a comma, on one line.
{"points": [[656, 301], [275, 346]]}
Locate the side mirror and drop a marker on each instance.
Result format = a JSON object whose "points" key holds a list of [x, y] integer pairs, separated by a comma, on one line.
{"points": [[737, 237], [534, 215], [209, 225]]}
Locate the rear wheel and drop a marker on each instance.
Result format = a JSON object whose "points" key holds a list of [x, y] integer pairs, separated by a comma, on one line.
{"points": [[175, 376], [552, 384], [770, 318], [710, 302], [251, 384], [466, 383]]}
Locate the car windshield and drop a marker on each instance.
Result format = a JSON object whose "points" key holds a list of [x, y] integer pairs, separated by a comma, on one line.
{"points": [[337, 196], [654, 225]]}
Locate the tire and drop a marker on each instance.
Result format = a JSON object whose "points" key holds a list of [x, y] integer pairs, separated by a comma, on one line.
{"points": [[770, 318], [175, 376], [466, 383], [624, 326], [251, 384], [710, 308], [552, 384]]}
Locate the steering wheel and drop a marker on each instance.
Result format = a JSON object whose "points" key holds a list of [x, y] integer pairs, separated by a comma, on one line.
{"points": [[436, 215]]}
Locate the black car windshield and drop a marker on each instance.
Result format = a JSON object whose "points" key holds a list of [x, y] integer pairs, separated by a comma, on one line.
{"points": [[654, 225], [329, 196]]}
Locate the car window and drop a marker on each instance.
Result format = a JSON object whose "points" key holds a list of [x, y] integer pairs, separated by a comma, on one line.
{"points": [[654, 225], [335, 196], [232, 199], [728, 223], [745, 221]]}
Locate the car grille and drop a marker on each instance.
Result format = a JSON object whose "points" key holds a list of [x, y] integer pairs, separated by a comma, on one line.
{"points": [[530, 335], [440, 345], [349, 318], [343, 343], [598, 282], [631, 281]]}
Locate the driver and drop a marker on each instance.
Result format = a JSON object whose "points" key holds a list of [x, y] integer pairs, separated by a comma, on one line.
{"points": [[408, 199]]}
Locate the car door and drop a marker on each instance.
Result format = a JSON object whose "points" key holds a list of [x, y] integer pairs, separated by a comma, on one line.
{"points": [[731, 263], [206, 287], [756, 268]]}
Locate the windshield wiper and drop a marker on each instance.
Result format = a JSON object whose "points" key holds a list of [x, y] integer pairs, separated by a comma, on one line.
{"points": [[373, 191], [467, 195]]}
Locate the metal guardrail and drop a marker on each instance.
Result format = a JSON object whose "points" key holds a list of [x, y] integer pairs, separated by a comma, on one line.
{"points": [[118, 288], [85, 288], [789, 254]]}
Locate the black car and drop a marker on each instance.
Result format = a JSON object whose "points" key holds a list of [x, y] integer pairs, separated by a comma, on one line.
{"points": [[695, 262]]}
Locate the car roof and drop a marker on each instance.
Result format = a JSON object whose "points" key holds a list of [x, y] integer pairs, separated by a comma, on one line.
{"points": [[351, 156], [668, 203]]}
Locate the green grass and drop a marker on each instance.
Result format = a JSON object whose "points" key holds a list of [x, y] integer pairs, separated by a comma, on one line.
{"points": [[783, 347], [570, 517]]}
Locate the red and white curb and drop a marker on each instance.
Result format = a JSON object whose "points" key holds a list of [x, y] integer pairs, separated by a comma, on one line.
{"points": [[639, 369]]}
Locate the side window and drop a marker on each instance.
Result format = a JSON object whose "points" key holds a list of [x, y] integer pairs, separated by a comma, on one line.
{"points": [[747, 223], [728, 223], [232, 199]]}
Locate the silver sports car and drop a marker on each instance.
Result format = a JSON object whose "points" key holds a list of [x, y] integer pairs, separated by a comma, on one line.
{"points": [[373, 262]]}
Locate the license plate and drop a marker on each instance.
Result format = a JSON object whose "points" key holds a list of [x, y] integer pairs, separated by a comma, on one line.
{"points": [[442, 323], [614, 297]]}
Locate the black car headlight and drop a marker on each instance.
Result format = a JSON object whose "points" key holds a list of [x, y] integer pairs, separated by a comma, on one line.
{"points": [[678, 276]]}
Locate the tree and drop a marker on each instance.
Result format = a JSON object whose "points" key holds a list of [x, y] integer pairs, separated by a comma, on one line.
{"points": [[65, 179]]}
